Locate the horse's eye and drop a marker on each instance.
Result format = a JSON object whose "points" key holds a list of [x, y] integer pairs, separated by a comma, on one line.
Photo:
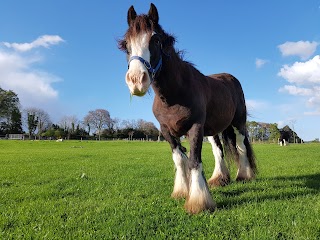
{"points": [[156, 39]]}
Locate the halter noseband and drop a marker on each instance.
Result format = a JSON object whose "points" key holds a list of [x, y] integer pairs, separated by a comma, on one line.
{"points": [[152, 71]]}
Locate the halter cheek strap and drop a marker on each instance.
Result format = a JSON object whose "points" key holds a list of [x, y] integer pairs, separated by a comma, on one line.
{"points": [[152, 71]]}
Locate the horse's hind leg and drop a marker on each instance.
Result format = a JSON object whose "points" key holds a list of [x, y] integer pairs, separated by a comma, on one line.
{"points": [[247, 166], [221, 175]]}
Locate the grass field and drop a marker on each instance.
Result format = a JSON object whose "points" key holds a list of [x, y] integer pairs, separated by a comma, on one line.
{"points": [[121, 190]]}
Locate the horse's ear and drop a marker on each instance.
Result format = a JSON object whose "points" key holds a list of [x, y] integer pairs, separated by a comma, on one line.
{"points": [[153, 14], [131, 15]]}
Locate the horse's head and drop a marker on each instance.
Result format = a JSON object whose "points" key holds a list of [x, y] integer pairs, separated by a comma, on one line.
{"points": [[143, 43]]}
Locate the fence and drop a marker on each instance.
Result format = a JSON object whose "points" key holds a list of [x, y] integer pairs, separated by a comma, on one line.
{"points": [[16, 137]]}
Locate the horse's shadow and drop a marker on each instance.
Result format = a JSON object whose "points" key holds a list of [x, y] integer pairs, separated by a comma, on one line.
{"points": [[275, 188]]}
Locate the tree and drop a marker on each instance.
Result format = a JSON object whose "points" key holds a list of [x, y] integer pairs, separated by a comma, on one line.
{"points": [[68, 124], [263, 131], [87, 124], [8, 102], [139, 129], [98, 119], [37, 119], [274, 132], [31, 122], [270, 132], [10, 115], [49, 133], [44, 121], [16, 123], [79, 133], [59, 133], [148, 128], [252, 130], [110, 128]]}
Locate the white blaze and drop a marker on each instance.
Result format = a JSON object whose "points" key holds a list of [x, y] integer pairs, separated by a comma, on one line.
{"points": [[137, 77], [139, 47]]}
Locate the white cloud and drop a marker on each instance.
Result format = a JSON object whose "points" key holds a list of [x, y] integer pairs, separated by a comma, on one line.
{"points": [[314, 113], [254, 105], [311, 95], [260, 62], [304, 79], [18, 73], [303, 49], [302, 72], [42, 41], [305, 83], [294, 90]]}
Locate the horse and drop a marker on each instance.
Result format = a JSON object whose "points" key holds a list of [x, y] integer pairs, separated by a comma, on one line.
{"points": [[284, 138], [186, 102]]}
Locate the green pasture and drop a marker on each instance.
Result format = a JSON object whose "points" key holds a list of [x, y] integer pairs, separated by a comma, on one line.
{"points": [[121, 190]]}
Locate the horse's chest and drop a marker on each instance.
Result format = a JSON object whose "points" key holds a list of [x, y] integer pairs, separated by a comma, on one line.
{"points": [[176, 118]]}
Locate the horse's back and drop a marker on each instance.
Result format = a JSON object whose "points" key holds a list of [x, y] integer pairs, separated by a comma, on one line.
{"points": [[229, 88], [227, 79]]}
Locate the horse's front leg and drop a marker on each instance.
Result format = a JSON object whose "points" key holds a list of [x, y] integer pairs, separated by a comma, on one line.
{"points": [[181, 183], [199, 198]]}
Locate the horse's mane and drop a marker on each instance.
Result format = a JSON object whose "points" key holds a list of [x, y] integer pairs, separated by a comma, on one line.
{"points": [[143, 24], [168, 42]]}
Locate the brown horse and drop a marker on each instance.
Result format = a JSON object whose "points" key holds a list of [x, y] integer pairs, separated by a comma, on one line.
{"points": [[188, 103]]}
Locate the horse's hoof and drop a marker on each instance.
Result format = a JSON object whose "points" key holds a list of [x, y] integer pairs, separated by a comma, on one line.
{"points": [[219, 181], [179, 194], [194, 207], [245, 175]]}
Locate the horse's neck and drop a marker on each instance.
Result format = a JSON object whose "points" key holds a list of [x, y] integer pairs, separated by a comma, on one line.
{"points": [[170, 80]]}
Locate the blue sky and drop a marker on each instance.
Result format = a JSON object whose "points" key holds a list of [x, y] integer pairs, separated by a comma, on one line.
{"points": [[62, 56]]}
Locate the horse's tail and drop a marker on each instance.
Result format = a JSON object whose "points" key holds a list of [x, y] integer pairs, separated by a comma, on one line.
{"points": [[250, 154], [230, 147]]}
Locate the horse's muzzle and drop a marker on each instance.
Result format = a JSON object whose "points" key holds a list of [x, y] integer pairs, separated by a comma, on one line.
{"points": [[138, 82]]}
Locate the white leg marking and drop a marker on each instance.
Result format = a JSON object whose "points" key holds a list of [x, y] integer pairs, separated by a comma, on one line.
{"points": [[244, 172], [220, 175], [180, 188], [199, 196]]}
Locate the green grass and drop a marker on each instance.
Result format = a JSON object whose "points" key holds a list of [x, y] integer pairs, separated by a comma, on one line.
{"points": [[121, 190]]}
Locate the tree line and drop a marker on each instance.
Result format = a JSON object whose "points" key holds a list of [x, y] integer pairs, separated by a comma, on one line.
{"points": [[97, 124], [269, 132]]}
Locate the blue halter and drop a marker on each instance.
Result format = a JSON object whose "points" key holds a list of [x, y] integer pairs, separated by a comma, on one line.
{"points": [[152, 71]]}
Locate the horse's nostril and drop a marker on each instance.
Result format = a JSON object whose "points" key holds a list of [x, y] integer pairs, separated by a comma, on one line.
{"points": [[128, 77], [137, 77], [144, 77]]}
